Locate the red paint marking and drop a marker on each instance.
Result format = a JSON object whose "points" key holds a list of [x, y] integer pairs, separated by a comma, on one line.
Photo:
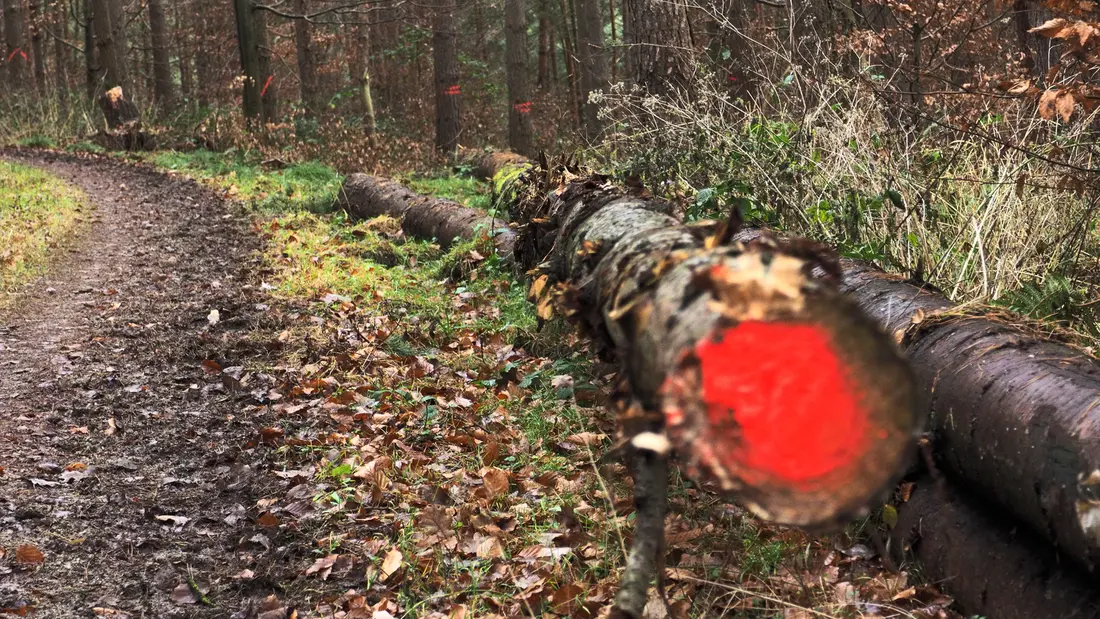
{"points": [[453, 90], [790, 398], [523, 108], [270, 78], [18, 50]]}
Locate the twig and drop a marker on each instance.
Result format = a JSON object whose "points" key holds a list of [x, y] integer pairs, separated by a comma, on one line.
{"points": [[651, 505]]}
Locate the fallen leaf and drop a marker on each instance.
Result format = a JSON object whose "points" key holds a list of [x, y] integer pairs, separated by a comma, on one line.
{"points": [[28, 555], [323, 566], [391, 563], [178, 521], [268, 520], [490, 548], [565, 599], [213, 317], [495, 480], [183, 594]]}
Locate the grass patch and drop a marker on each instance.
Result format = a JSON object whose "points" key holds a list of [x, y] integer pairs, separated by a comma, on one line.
{"points": [[37, 214], [308, 186], [465, 190]]}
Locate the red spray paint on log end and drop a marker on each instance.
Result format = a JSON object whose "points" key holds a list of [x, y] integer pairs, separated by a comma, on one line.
{"points": [[782, 396]]}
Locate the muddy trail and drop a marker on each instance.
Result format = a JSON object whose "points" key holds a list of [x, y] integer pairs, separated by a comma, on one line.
{"points": [[128, 476]]}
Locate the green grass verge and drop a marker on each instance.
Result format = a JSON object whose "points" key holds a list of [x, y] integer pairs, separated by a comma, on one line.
{"points": [[308, 186], [38, 212]]}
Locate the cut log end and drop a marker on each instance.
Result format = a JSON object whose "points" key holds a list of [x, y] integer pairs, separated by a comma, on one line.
{"points": [[802, 410]]}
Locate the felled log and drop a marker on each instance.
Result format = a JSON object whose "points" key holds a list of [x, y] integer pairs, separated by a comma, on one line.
{"points": [[711, 337], [487, 164], [991, 567], [1015, 415], [755, 370], [424, 217]]}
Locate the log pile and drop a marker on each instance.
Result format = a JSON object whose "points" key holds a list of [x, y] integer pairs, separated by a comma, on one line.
{"points": [[1013, 414]]}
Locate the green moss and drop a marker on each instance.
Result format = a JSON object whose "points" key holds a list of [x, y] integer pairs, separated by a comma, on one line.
{"points": [[38, 212]]}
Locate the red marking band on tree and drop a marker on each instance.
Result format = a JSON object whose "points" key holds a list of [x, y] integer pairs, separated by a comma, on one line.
{"points": [[19, 51], [523, 108], [453, 90], [782, 394], [270, 78]]}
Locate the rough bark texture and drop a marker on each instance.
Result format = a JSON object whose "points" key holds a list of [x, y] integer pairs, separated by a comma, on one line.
{"points": [[248, 46], [269, 94], [111, 52], [989, 565], [593, 61], [164, 88], [359, 65], [367, 196], [487, 164], [61, 55], [657, 293], [91, 58], [659, 46], [37, 47], [307, 64], [520, 132], [13, 37], [1014, 415], [448, 91]]}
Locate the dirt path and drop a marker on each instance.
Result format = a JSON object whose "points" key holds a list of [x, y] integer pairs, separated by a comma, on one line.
{"points": [[101, 367]]}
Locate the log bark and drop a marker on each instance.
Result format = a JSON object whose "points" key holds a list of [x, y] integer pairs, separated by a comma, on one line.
{"points": [[697, 325], [989, 565], [1015, 415], [365, 197]]}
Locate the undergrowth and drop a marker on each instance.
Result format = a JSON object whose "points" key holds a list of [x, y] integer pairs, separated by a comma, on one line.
{"points": [[38, 212]]}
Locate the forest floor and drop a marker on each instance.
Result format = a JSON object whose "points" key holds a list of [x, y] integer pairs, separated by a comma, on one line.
{"points": [[208, 411]]}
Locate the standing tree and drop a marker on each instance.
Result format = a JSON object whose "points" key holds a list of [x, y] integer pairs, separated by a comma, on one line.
{"points": [[659, 44], [37, 47], [593, 59], [448, 93], [268, 93], [15, 56], [112, 57], [163, 84], [250, 60], [307, 63], [61, 55], [91, 58], [519, 113], [359, 66]]}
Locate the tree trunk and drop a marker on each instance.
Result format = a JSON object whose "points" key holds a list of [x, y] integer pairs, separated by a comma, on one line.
{"points": [[659, 45], [448, 92], [183, 44], [365, 197], [252, 105], [203, 62], [990, 565], [61, 57], [269, 93], [38, 49], [519, 112], [614, 40], [16, 56], [1013, 414], [111, 58], [593, 60], [570, 64], [359, 64], [163, 84], [545, 50], [307, 64], [92, 68]]}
